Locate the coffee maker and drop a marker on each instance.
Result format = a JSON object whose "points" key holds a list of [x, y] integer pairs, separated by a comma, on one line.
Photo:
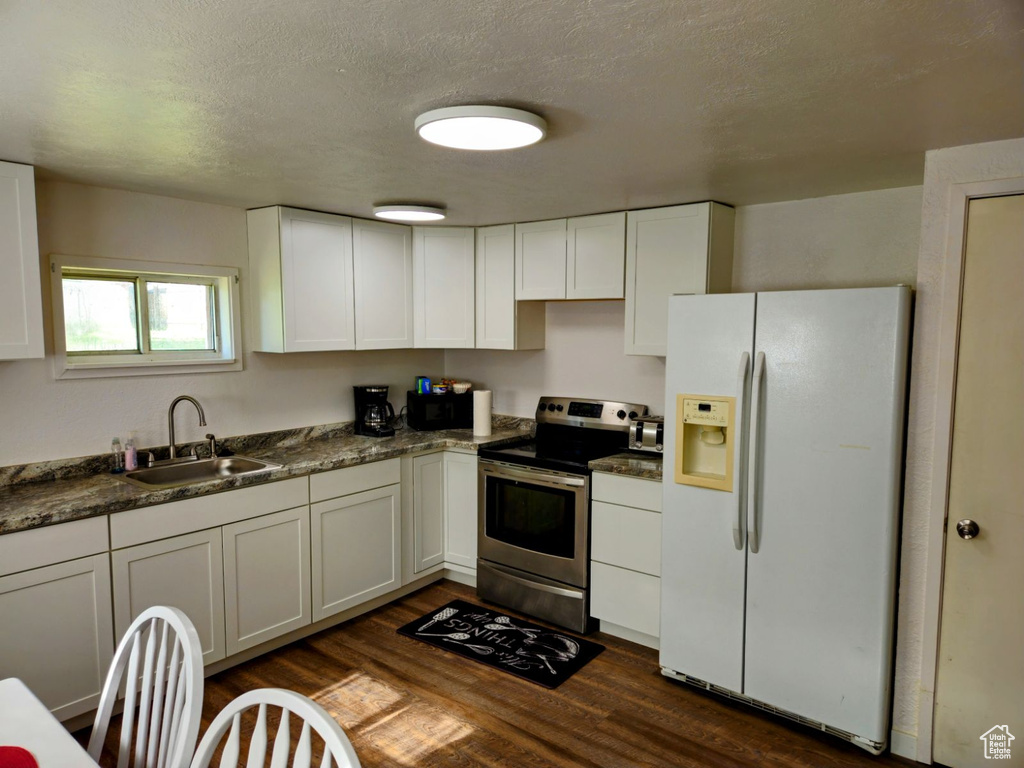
{"points": [[374, 414]]}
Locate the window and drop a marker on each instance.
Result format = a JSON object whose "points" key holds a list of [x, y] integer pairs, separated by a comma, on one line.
{"points": [[123, 318]]}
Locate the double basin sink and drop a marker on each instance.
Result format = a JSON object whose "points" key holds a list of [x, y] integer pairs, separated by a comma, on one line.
{"points": [[187, 472]]}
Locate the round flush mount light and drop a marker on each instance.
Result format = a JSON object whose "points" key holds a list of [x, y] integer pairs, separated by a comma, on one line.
{"points": [[408, 212], [481, 127]]}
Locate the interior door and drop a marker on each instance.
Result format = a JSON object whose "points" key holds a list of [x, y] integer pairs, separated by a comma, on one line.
{"points": [[980, 684], [823, 513]]}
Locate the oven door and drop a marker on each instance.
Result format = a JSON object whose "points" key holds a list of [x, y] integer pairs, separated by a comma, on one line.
{"points": [[535, 520]]}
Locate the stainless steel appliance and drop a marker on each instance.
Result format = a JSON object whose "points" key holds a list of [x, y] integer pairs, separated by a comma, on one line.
{"points": [[447, 411], [647, 434], [374, 414], [534, 532]]}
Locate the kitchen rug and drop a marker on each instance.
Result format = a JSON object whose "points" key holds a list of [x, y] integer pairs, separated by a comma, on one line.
{"points": [[526, 650]]}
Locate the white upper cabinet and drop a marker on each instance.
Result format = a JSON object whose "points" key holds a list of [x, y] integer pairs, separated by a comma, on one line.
{"points": [[382, 255], [501, 321], [680, 249], [595, 256], [540, 260], [301, 269], [443, 287], [21, 303]]}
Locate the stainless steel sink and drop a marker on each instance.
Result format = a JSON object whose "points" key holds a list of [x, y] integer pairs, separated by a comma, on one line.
{"points": [[187, 472]]}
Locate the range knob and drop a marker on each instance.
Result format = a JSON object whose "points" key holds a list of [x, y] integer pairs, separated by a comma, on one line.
{"points": [[551, 406], [559, 408], [632, 414], [621, 414], [540, 407]]}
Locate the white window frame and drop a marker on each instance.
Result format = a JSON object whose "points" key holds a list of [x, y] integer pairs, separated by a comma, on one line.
{"points": [[227, 323]]}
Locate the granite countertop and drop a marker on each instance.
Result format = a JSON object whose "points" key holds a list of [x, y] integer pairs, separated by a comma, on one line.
{"points": [[647, 466], [38, 495]]}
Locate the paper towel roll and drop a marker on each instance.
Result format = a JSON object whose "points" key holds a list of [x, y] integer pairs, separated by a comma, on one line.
{"points": [[481, 412]]}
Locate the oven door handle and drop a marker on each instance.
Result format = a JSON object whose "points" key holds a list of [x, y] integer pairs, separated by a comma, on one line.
{"points": [[540, 587], [532, 477]]}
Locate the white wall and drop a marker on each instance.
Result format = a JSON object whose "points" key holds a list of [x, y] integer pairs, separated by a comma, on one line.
{"points": [[44, 419], [921, 565], [861, 239], [583, 358]]}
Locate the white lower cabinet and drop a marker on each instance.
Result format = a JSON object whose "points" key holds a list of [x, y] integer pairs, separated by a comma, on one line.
{"points": [[625, 567], [57, 633], [356, 549], [428, 511], [184, 572], [266, 578], [460, 507]]}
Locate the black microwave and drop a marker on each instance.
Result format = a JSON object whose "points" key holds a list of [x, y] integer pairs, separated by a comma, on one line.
{"points": [[447, 411]]}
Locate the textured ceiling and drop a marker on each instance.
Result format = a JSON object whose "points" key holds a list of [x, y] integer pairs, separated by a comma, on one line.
{"points": [[649, 102]]}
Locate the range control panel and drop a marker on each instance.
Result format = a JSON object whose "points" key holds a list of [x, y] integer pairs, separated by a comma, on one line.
{"points": [[582, 412]]}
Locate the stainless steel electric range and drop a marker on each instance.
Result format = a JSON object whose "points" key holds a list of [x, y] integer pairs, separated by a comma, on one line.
{"points": [[534, 532]]}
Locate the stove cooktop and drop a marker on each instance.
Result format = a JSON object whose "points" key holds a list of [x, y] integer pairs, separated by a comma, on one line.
{"points": [[572, 432]]}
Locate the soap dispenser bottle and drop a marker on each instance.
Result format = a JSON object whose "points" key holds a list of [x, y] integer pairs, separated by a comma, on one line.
{"points": [[131, 456]]}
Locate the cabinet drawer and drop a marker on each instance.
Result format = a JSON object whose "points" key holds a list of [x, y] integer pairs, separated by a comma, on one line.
{"points": [[626, 537], [40, 547], [627, 491], [626, 598], [177, 517], [342, 482]]}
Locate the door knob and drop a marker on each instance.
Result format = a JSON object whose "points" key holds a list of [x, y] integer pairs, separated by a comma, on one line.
{"points": [[967, 529]]}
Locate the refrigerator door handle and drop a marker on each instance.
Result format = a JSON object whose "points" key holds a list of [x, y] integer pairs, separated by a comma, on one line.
{"points": [[741, 510], [753, 528]]}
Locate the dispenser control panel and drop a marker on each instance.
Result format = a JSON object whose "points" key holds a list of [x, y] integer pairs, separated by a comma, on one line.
{"points": [[712, 413]]}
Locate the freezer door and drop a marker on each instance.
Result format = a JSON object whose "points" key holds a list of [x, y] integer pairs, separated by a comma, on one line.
{"points": [[825, 506], [703, 558]]}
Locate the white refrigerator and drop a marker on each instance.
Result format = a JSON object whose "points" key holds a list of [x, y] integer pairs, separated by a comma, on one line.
{"points": [[782, 468]]}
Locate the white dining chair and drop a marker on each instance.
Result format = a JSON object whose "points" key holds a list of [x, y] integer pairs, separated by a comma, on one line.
{"points": [[337, 749], [159, 665]]}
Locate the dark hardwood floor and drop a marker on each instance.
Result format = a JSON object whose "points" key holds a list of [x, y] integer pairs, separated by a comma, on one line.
{"points": [[405, 703]]}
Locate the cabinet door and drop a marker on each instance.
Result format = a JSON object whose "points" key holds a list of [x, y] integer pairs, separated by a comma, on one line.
{"points": [[21, 301], [57, 632], [316, 275], [266, 577], [443, 287], [428, 511], [540, 260], [666, 253], [460, 501], [596, 256], [501, 321], [356, 549], [185, 572], [382, 263]]}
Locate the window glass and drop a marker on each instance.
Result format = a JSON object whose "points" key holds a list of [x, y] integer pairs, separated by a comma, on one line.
{"points": [[179, 316], [100, 315]]}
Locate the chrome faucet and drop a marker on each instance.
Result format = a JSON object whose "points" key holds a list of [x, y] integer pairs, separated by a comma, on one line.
{"points": [[170, 423]]}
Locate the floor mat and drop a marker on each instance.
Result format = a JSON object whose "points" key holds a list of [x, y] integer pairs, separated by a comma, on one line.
{"points": [[526, 650]]}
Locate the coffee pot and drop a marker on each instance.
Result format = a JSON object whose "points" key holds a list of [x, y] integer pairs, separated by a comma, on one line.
{"points": [[374, 414]]}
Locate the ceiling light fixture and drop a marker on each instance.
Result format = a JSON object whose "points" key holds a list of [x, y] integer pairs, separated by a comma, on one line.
{"points": [[409, 212], [481, 127]]}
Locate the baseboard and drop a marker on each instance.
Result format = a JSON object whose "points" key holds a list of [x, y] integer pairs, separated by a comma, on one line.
{"points": [[625, 633], [903, 744], [460, 574]]}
